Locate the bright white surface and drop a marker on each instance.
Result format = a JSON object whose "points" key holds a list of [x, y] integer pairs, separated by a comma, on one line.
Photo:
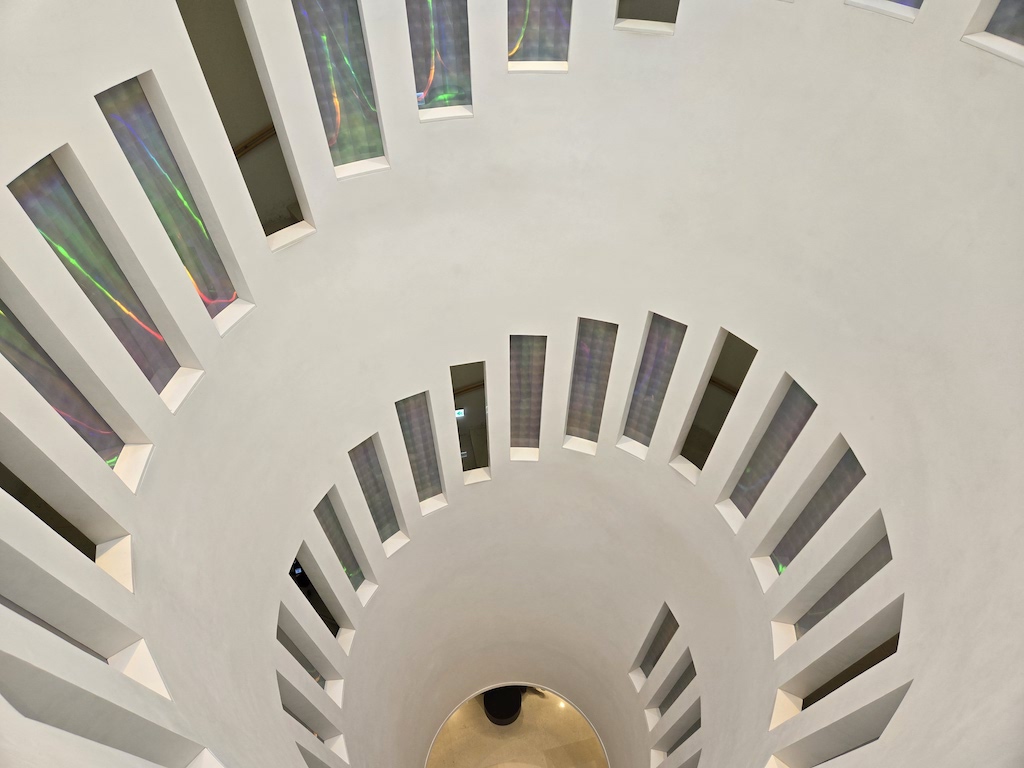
{"points": [[731, 175]]}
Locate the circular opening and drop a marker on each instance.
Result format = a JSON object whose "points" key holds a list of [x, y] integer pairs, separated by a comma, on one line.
{"points": [[517, 726]]}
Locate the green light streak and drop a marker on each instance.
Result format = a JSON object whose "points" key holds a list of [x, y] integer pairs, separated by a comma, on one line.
{"points": [[522, 32]]}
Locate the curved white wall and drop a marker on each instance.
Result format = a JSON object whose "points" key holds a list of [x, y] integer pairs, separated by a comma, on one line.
{"points": [[839, 188]]}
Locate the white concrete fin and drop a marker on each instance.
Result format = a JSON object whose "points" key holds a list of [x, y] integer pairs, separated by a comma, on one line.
{"points": [[115, 557], [137, 662]]}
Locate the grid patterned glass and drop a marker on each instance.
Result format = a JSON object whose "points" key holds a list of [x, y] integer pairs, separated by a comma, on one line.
{"points": [[1008, 21], [677, 689], [852, 580], [137, 131], [332, 36], [59, 217], [418, 433], [595, 344], [726, 379], [25, 354], [662, 637], [439, 33], [327, 516], [664, 339], [526, 385], [371, 478], [787, 423], [538, 30], [837, 486]]}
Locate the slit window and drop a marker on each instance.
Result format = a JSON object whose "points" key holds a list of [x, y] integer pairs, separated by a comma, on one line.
{"points": [[592, 364], [300, 657], [659, 642], [526, 384], [418, 434], [60, 219], [859, 667], [852, 580], [332, 37], [470, 393], [685, 736], [298, 574], [538, 30], [837, 486], [375, 486], [29, 359], [687, 676], [1008, 21], [138, 133], [726, 379], [219, 41], [439, 35], [658, 11], [787, 423], [31, 501], [661, 350], [329, 521]]}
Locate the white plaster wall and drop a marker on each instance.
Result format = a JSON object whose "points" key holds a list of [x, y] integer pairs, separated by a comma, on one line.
{"points": [[838, 188]]}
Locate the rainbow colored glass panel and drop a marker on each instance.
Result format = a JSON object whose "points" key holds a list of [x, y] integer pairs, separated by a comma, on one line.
{"points": [[538, 30], [25, 354], [131, 118], [59, 217], [332, 36], [439, 33]]}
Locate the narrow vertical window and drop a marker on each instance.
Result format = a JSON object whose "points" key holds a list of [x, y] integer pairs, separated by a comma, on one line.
{"points": [[135, 126], [470, 393], [858, 575], [31, 501], [662, 635], [538, 32], [687, 676], [870, 659], [59, 217], [329, 521], [726, 378], [298, 575], [1008, 21], [29, 359], [837, 486], [375, 486], [418, 434], [661, 350], [685, 735], [215, 28], [526, 390], [332, 36], [787, 423], [439, 34], [591, 366]]}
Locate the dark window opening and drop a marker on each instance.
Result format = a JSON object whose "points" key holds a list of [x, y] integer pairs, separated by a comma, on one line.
{"points": [[31, 501], [863, 664], [468, 388], [726, 379], [298, 574], [226, 60], [649, 10]]}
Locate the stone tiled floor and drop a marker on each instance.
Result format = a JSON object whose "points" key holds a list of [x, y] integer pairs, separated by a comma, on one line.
{"points": [[548, 734]]}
